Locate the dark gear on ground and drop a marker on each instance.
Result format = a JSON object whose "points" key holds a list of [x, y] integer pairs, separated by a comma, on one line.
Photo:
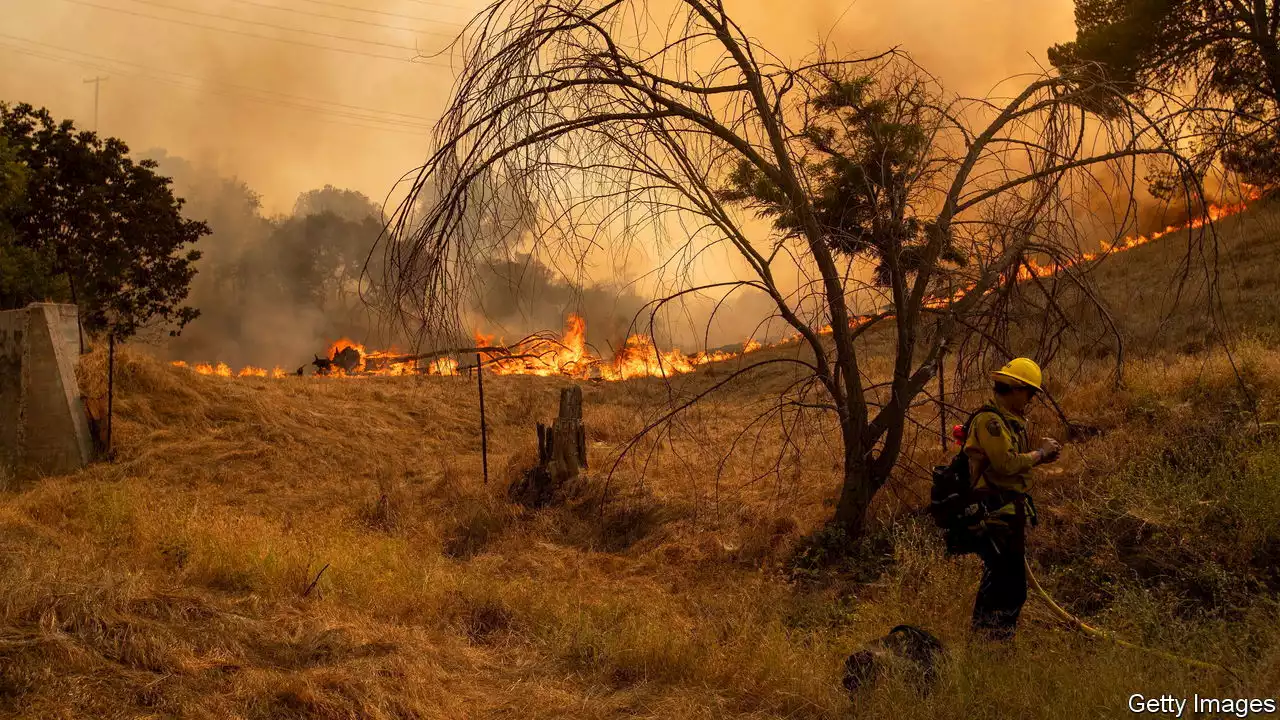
{"points": [[906, 649]]}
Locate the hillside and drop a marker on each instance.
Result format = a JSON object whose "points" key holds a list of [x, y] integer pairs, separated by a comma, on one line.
{"points": [[326, 548], [1160, 310], [1181, 294]]}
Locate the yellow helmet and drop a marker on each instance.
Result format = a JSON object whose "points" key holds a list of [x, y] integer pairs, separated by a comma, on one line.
{"points": [[1022, 371]]}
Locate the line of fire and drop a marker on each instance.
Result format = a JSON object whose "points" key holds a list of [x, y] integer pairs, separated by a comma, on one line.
{"points": [[569, 354]]}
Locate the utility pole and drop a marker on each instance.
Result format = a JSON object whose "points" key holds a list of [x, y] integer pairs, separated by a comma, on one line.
{"points": [[97, 92]]}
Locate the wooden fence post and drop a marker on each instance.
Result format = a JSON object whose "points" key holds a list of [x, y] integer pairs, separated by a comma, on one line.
{"points": [[484, 430]]}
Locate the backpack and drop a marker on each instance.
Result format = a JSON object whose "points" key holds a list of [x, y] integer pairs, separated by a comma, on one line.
{"points": [[952, 503]]}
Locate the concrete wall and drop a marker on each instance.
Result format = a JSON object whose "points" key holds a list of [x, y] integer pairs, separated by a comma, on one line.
{"points": [[43, 426]]}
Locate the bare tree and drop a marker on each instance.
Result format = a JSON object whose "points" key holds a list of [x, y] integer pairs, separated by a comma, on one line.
{"points": [[893, 204]]}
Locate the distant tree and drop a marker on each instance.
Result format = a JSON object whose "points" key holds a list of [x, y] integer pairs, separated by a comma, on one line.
{"points": [[1226, 52], [311, 259], [349, 205], [520, 291], [270, 288], [111, 227]]}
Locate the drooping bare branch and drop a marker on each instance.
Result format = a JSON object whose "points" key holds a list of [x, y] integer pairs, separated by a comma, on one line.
{"points": [[578, 129]]}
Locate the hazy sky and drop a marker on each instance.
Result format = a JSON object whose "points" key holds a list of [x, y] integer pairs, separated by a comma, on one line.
{"points": [[290, 95]]}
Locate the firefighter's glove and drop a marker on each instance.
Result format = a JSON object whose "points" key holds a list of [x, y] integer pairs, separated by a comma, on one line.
{"points": [[1049, 450]]}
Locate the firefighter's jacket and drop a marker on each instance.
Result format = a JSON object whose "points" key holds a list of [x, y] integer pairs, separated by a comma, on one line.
{"points": [[1000, 453]]}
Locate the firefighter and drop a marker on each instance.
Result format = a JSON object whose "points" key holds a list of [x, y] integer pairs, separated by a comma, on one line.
{"points": [[1001, 458]]}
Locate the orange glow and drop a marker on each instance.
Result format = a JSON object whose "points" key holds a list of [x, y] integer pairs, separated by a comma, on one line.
{"points": [[639, 357], [221, 369], [546, 354], [542, 354], [447, 367], [1031, 269], [1213, 213]]}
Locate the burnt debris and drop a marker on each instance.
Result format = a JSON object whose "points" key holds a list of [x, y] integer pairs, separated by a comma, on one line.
{"points": [[348, 359], [324, 366]]}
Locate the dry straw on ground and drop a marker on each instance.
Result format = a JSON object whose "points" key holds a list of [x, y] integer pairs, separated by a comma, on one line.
{"points": [[181, 579]]}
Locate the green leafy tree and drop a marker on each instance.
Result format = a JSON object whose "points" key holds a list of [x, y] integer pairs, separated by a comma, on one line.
{"points": [[24, 273], [869, 150], [110, 228], [1226, 52], [13, 176]]}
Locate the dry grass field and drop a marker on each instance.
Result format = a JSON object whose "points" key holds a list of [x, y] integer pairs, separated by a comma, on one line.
{"points": [[180, 580]]}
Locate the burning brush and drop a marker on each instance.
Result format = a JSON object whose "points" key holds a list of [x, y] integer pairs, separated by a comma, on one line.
{"points": [[568, 353], [544, 354]]}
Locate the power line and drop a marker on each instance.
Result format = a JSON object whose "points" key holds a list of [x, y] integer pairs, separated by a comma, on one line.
{"points": [[393, 126], [273, 26], [432, 3], [343, 122], [145, 68], [370, 23], [329, 3], [380, 124], [390, 125], [415, 61]]}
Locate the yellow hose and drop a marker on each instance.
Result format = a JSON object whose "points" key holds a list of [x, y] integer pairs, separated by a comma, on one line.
{"points": [[1104, 635]]}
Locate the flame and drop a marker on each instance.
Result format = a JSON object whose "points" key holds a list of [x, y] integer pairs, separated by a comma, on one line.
{"points": [[345, 344], [1213, 213], [639, 357], [221, 369], [447, 367], [543, 354], [568, 354], [1031, 269]]}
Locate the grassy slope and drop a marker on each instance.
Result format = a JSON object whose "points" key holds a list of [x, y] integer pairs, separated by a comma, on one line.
{"points": [[1241, 257], [174, 581]]}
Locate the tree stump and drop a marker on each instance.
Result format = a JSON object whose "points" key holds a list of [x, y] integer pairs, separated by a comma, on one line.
{"points": [[562, 453]]}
